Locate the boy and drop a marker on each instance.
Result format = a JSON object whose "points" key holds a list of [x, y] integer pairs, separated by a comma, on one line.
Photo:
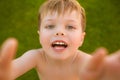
{"points": [[61, 30]]}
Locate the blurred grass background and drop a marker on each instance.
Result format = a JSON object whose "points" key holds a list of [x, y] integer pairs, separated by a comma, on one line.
{"points": [[19, 19]]}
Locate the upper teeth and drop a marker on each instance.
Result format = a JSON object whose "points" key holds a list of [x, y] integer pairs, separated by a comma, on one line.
{"points": [[60, 43]]}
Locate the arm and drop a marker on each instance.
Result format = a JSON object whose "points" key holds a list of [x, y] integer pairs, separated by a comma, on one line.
{"points": [[24, 63], [11, 69]]}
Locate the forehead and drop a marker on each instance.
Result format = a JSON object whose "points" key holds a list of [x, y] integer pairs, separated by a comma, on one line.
{"points": [[73, 16]]}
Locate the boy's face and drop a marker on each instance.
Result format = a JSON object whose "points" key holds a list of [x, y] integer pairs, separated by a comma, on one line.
{"points": [[61, 35]]}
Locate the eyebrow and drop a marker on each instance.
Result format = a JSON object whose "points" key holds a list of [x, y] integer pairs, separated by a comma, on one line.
{"points": [[67, 20], [71, 20], [49, 20]]}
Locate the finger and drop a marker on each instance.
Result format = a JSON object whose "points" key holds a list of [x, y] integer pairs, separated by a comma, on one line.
{"points": [[97, 59], [115, 55], [117, 52], [8, 51]]}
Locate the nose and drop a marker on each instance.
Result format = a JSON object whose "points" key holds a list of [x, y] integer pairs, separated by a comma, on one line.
{"points": [[60, 30]]}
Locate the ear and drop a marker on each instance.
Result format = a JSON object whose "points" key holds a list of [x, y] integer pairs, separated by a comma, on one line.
{"points": [[82, 37], [38, 32]]}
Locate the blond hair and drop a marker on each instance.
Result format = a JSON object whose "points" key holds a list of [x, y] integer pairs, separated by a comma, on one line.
{"points": [[61, 6]]}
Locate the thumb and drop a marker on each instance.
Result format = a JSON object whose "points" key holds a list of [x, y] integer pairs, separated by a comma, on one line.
{"points": [[93, 68], [8, 51], [97, 59]]}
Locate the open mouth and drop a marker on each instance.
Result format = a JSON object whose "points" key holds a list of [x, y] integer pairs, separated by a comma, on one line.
{"points": [[59, 44]]}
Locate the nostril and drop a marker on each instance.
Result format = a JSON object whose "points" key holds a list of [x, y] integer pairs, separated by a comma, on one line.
{"points": [[62, 34], [59, 34]]}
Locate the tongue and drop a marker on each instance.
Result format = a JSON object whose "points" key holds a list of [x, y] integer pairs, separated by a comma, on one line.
{"points": [[59, 47]]}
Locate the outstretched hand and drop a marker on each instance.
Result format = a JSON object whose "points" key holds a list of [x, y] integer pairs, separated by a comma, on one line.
{"points": [[102, 67], [112, 67], [7, 53], [94, 66]]}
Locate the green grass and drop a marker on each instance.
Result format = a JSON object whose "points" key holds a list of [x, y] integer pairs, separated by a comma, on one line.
{"points": [[18, 18], [103, 25]]}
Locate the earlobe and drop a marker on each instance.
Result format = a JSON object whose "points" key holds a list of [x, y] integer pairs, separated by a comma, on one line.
{"points": [[82, 37], [84, 33]]}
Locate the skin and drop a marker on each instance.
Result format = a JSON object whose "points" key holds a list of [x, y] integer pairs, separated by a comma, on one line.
{"points": [[61, 28], [59, 63]]}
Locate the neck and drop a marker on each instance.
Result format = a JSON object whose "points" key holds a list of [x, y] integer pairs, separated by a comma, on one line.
{"points": [[61, 62]]}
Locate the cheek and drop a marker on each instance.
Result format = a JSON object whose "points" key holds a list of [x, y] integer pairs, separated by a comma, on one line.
{"points": [[77, 40], [45, 37]]}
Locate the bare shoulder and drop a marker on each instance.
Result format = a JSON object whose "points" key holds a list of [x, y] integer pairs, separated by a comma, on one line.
{"points": [[82, 58], [32, 55], [34, 52], [83, 55], [37, 55]]}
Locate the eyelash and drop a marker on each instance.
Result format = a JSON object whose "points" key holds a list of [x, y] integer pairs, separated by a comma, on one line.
{"points": [[70, 27], [50, 26]]}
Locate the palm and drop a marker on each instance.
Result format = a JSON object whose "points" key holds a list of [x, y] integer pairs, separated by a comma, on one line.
{"points": [[94, 67], [112, 67], [101, 67]]}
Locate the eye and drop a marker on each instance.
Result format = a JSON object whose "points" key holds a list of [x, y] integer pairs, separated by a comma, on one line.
{"points": [[50, 26], [70, 27]]}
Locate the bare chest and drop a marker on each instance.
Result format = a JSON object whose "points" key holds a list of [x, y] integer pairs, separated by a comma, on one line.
{"points": [[55, 73]]}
